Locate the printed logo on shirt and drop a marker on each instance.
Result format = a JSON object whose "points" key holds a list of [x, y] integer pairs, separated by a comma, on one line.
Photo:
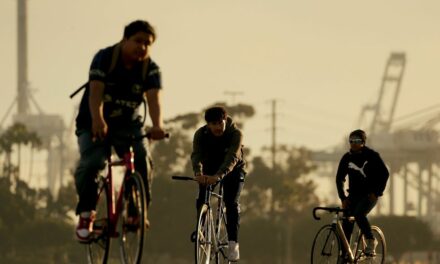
{"points": [[116, 113], [353, 166], [136, 89], [126, 103], [107, 98]]}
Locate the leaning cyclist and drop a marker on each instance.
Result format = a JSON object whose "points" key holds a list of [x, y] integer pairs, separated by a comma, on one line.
{"points": [[108, 109], [218, 155], [367, 177]]}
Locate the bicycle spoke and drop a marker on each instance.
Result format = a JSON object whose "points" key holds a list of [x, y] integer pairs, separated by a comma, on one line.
{"points": [[204, 248], [326, 246], [201, 235], [380, 250]]}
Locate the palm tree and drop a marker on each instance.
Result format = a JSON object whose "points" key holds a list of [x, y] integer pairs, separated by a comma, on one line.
{"points": [[17, 134]]}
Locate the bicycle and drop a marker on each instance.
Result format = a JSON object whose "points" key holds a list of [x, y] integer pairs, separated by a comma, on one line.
{"points": [[211, 239], [124, 216], [328, 242]]}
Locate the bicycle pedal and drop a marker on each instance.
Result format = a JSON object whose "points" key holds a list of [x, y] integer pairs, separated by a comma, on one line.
{"points": [[193, 237], [85, 242]]}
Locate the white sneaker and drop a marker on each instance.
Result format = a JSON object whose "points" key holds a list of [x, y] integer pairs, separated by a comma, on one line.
{"points": [[370, 249], [85, 226], [234, 251]]}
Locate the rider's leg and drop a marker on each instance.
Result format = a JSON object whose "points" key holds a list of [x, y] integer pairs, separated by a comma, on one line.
{"points": [[92, 159], [232, 186], [360, 212], [347, 226], [363, 207]]}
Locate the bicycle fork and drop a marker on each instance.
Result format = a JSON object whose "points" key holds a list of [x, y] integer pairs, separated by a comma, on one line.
{"points": [[343, 239], [216, 224], [218, 241]]}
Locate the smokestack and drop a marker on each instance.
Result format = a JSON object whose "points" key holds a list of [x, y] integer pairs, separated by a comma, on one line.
{"points": [[22, 74]]}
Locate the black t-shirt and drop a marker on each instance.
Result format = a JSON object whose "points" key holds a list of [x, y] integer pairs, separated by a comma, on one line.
{"points": [[123, 93]]}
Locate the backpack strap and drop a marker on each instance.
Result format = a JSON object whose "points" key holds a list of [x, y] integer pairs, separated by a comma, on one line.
{"points": [[144, 77], [78, 90], [115, 57], [145, 69]]}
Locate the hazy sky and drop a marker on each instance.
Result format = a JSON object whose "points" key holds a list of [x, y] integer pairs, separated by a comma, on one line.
{"points": [[322, 60]]}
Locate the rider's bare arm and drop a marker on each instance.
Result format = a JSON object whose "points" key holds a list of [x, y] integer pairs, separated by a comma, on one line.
{"points": [[99, 126]]}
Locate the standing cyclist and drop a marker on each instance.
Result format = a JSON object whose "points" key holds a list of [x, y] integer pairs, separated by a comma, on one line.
{"points": [[119, 78], [218, 154], [367, 177]]}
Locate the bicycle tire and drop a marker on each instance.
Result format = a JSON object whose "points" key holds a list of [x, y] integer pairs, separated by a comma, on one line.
{"points": [[221, 255], [326, 246], [381, 248], [132, 221], [203, 243], [99, 245]]}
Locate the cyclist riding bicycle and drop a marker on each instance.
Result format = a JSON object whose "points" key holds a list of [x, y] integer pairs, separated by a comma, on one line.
{"points": [[218, 154], [367, 176], [120, 77]]}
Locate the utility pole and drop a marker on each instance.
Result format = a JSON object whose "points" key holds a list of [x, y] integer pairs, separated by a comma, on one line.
{"points": [[274, 133]]}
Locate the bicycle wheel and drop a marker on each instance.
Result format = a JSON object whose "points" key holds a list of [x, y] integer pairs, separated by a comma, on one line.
{"points": [[221, 255], [99, 246], [203, 236], [326, 246], [381, 248], [132, 220]]}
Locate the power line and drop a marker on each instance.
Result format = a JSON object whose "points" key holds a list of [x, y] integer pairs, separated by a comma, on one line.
{"points": [[233, 95]]}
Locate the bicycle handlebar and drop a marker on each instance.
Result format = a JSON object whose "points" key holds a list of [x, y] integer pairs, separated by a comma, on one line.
{"points": [[328, 209], [133, 138], [183, 178], [188, 178], [148, 135]]}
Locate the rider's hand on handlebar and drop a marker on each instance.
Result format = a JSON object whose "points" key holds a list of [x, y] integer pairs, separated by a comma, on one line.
{"points": [[206, 179], [212, 179], [201, 179], [156, 133]]}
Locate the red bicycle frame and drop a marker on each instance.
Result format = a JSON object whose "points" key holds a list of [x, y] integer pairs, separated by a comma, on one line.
{"points": [[128, 162]]}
